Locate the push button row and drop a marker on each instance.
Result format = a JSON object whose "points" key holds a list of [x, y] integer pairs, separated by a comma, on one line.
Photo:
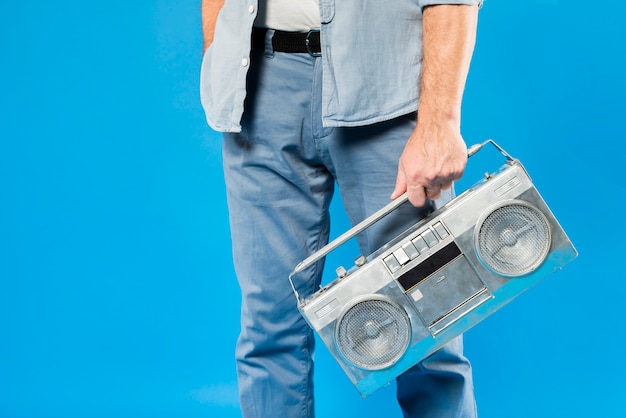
{"points": [[418, 245]]}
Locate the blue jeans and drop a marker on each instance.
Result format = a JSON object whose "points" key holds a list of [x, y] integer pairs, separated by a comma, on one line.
{"points": [[280, 174]]}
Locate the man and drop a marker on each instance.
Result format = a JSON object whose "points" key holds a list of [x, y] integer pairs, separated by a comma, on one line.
{"points": [[303, 111]]}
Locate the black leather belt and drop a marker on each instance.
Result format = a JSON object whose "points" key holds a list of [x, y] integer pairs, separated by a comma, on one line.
{"points": [[293, 42]]}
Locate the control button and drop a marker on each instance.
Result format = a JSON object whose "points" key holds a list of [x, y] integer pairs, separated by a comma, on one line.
{"points": [[440, 230], [417, 295], [410, 250], [430, 238], [420, 244], [392, 263], [401, 256]]}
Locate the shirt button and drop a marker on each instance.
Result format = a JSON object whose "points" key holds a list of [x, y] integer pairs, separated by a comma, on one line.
{"points": [[251, 9], [244, 62]]}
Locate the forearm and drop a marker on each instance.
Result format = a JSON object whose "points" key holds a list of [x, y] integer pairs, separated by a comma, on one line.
{"points": [[436, 154], [449, 35], [210, 10]]}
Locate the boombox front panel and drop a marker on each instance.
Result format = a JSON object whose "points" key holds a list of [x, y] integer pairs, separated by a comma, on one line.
{"points": [[446, 295], [434, 277]]}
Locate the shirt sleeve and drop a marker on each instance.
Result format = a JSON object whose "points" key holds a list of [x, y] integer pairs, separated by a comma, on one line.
{"points": [[424, 3]]}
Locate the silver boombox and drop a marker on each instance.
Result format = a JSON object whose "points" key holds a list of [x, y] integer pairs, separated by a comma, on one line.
{"points": [[437, 279]]}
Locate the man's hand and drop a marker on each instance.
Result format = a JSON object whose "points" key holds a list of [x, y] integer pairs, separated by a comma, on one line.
{"points": [[433, 158], [435, 154]]}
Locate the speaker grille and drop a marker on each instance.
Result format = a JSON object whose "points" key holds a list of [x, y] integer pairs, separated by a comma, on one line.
{"points": [[514, 239], [373, 334]]}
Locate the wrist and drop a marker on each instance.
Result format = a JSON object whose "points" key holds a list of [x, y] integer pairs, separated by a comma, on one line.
{"points": [[438, 112]]}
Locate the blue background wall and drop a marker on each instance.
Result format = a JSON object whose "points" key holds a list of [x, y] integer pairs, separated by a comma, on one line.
{"points": [[117, 295]]}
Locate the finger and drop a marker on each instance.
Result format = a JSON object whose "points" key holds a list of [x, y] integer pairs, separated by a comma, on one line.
{"points": [[433, 193], [446, 185], [417, 195], [400, 186]]}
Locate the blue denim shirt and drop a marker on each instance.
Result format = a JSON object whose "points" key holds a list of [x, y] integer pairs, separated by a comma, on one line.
{"points": [[371, 57]]}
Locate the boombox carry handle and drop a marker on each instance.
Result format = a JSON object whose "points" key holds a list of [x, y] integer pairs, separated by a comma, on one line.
{"points": [[372, 219]]}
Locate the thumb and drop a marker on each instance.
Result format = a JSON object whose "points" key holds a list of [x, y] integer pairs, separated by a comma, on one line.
{"points": [[400, 187]]}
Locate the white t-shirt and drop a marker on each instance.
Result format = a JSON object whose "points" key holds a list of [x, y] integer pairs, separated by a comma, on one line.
{"points": [[288, 15]]}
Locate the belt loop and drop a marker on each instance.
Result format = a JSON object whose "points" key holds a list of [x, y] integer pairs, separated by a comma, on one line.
{"points": [[307, 42], [269, 48]]}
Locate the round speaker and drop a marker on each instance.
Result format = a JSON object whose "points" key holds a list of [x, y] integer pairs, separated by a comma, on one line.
{"points": [[374, 333], [513, 239]]}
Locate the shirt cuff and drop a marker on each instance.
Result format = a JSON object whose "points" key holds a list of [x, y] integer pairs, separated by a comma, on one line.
{"points": [[424, 3]]}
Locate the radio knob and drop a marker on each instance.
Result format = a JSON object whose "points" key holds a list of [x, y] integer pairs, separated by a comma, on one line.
{"points": [[360, 261], [341, 272]]}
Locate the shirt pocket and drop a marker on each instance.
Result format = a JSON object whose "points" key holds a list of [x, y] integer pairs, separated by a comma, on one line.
{"points": [[327, 10]]}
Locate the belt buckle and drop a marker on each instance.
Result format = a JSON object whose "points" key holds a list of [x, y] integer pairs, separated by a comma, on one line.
{"points": [[307, 43]]}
